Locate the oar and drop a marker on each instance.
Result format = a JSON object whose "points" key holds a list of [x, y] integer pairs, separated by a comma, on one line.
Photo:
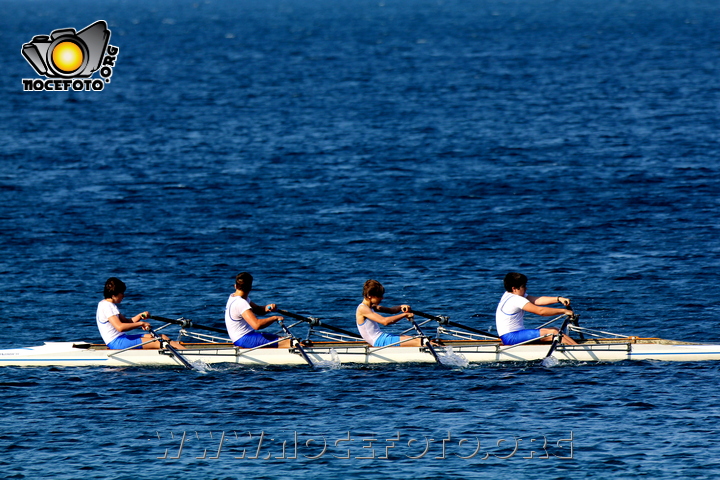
{"points": [[187, 323], [172, 349], [556, 340], [425, 339], [295, 342], [315, 322], [446, 321]]}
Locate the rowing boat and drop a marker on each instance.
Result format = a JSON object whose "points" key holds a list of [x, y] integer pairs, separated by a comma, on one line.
{"points": [[453, 344], [355, 352]]}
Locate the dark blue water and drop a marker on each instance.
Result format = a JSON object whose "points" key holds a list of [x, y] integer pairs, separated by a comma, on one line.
{"points": [[433, 145]]}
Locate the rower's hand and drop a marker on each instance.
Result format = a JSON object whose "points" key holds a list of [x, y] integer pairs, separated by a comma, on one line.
{"points": [[405, 308], [271, 307], [145, 326], [409, 316], [278, 318], [564, 301], [568, 312]]}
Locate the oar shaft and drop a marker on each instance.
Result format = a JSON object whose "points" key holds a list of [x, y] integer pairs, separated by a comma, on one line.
{"points": [[187, 323], [316, 322], [172, 350], [445, 321], [556, 340], [340, 330], [297, 345], [428, 316], [294, 315], [426, 340], [177, 355], [472, 330]]}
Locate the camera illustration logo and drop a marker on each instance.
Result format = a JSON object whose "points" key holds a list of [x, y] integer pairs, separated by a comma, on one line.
{"points": [[68, 59]]}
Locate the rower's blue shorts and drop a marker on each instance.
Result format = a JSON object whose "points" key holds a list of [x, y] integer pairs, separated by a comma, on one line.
{"points": [[126, 341], [386, 339], [255, 339], [520, 336]]}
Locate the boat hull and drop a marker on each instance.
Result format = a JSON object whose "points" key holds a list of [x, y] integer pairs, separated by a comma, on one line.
{"points": [[454, 353]]}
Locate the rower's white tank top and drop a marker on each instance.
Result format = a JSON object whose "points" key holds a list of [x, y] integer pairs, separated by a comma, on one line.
{"points": [[106, 310], [509, 316], [236, 325], [369, 330]]}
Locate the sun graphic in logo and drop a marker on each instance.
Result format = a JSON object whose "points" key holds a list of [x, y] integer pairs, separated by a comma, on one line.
{"points": [[67, 56], [68, 59]]}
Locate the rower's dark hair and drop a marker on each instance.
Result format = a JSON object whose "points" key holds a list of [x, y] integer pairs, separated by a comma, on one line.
{"points": [[113, 286], [373, 288], [243, 281], [514, 280]]}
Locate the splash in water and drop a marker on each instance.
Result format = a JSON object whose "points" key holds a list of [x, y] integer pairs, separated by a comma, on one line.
{"points": [[201, 366], [452, 359], [333, 363], [550, 361]]}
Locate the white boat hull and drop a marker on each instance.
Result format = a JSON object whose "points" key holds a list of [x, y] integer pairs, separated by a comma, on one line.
{"points": [[456, 352]]}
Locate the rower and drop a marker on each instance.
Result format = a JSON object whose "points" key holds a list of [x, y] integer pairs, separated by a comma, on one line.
{"points": [[367, 318], [509, 316], [113, 324], [241, 320]]}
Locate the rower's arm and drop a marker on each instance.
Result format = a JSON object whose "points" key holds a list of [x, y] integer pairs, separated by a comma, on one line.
{"points": [[262, 309], [124, 325], [376, 317], [259, 323], [542, 301], [545, 311]]}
